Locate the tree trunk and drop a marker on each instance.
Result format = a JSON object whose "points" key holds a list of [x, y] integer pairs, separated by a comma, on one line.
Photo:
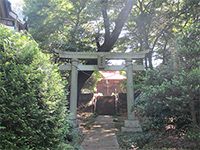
{"points": [[150, 59], [110, 39], [193, 112]]}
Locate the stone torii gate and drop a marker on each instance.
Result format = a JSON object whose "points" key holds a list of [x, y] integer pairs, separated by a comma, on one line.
{"points": [[131, 124]]}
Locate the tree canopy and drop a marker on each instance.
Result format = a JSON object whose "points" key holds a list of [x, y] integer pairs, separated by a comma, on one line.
{"points": [[105, 25], [109, 25], [77, 25]]}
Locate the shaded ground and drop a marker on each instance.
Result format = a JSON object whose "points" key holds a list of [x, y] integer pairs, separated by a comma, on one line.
{"points": [[101, 136], [87, 120], [135, 141]]}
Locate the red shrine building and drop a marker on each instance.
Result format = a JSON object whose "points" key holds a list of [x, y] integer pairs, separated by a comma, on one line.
{"points": [[107, 85]]}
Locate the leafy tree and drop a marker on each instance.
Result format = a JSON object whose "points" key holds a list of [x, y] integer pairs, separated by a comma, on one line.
{"points": [[77, 25], [152, 24], [72, 18], [85, 25], [171, 95], [36, 17], [32, 104], [90, 84]]}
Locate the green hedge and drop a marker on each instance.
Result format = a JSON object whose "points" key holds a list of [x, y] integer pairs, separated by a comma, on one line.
{"points": [[32, 100]]}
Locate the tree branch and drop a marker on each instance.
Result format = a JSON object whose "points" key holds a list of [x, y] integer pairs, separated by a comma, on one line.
{"points": [[104, 4], [107, 45]]}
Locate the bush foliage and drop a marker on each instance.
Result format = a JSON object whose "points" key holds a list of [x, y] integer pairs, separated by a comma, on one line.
{"points": [[32, 104], [171, 93]]}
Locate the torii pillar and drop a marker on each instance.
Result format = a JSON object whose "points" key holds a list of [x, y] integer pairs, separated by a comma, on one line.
{"points": [[73, 89], [130, 125]]}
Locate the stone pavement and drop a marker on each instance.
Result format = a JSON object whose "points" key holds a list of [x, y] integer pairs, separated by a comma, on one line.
{"points": [[102, 135]]}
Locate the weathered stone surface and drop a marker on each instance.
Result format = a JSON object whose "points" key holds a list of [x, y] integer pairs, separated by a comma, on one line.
{"points": [[125, 129], [95, 67], [129, 88], [73, 90], [131, 123], [76, 56], [131, 126], [108, 55]]}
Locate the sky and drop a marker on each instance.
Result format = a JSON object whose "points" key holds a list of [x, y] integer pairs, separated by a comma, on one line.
{"points": [[14, 1], [16, 6]]}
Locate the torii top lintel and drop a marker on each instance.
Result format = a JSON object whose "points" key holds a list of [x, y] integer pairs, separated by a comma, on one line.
{"points": [[107, 55]]}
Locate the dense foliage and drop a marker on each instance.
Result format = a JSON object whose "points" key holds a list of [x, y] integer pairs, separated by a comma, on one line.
{"points": [[170, 98], [171, 92], [32, 100], [101, 25], [77, 25], [90, 84]]}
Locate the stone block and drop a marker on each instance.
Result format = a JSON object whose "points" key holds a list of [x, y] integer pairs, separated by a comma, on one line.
{"points": [[131, 126], [77, 127], [131, 123], [125, 129]]}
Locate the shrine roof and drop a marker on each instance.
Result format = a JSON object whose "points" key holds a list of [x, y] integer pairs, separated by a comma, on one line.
{"points": [[112, 75]]}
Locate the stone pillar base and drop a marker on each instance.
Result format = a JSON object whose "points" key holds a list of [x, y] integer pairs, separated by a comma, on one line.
{"points": [[131, 126], [77, 128], [76, 122]]}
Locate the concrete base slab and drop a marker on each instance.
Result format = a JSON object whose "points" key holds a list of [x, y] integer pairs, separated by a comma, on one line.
{"points": [[131, 126]]}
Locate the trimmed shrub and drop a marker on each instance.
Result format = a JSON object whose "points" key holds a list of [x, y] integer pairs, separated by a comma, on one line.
{"points": [[32, 100]]}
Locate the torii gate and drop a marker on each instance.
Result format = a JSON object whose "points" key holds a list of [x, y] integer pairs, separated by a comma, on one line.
{"points": [[130, 125]]}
